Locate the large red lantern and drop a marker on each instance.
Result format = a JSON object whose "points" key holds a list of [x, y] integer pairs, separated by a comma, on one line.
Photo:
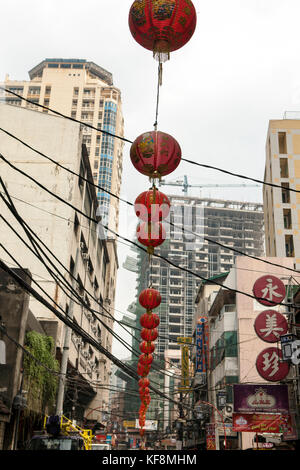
{"points": [[149, 335], [152, 206], [149, 298], [149, 320], [146, 359], [151, 234], [162, 26], [155, 154], [147, 347]]}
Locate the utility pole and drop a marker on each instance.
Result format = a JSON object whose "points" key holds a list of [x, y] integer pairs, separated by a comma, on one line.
{"points": [[66, 349]]}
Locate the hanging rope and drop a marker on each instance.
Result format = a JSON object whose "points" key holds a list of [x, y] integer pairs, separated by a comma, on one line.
{"points": [[159, 83]]}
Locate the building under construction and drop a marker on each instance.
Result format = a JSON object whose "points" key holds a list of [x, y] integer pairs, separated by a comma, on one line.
{"points": [[201, 236]]}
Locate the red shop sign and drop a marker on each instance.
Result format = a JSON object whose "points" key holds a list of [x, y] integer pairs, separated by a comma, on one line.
{"points": [[256, 422], [270, 325], [269, 290], [269, 365]]}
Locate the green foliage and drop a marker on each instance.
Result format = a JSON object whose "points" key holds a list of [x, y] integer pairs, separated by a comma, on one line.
{"points": [[42, 384]]}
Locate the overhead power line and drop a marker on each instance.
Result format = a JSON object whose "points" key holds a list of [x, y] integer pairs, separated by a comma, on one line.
{"points": [[183, 229], [237, 291], [210, 167], [66, 320]]}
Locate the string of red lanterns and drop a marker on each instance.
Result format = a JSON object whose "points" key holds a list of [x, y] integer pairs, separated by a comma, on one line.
{"points": [[162, 26]]}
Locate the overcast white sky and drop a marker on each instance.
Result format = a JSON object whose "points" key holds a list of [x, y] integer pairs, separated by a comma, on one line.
{"points": [[240, 69]]}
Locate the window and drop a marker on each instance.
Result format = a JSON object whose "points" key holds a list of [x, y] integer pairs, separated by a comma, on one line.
{"points": [[47, 90], [282, 142], [76, 224], [289, 246], [285, 193], [284, 168], [287, 218]]}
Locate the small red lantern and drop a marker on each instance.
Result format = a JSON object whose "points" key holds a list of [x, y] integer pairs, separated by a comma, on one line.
{"points": [[155, 154], [147, 347], [144, 391], [146, 359], [149, 320], [151, 234], [162, 26], [149, 298], [149, 335], [144, 382], [142, 370], [152, 206]]}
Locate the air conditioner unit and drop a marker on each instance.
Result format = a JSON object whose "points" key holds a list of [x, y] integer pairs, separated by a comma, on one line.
{"points": [[85, 256], [228, 410]]}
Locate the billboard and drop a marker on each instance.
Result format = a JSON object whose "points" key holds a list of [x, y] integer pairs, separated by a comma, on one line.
{"points": [[260, 398], [150, 425]]}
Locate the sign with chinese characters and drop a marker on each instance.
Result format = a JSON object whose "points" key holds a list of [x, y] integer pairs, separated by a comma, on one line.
{"points": [[260, 398], [252, 422], [185, 369], [129, 424], [270, 325], [202, 345], [210, 437], [269, 365], [269, 290]]}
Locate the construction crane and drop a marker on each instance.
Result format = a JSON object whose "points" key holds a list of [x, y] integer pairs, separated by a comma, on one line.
{"points": [[186, 185]]}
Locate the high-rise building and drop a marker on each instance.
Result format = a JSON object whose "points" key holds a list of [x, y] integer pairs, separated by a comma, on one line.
{"points": [[281, 206], [82, 90], [234, 224]]}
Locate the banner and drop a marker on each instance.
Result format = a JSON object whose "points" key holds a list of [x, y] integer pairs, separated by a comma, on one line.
{"points": [[260, 398], [202, 345], [185, 369], [256, 422]]}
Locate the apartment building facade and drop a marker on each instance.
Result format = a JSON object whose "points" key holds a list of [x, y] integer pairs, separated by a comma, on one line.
{"points": [[75, 240], [281, 206], [233, 344], [84, 91]]}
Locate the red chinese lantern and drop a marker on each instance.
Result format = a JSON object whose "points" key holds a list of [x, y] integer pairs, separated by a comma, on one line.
{"points": [[149, 335], [146, 359], [155, 154], [151, 234], [162, 26], [149, 298], [147, 347], [144, 391], [149, 320], [144, 382], [142, 370], [152, 206]]}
